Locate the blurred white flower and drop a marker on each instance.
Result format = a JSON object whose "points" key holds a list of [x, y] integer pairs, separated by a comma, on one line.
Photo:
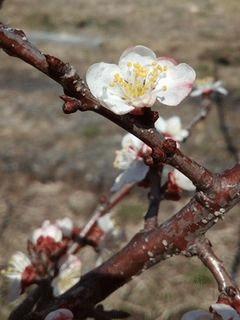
{"points": [[130, 160], [181, 180], [225, 311], [14, 274], [207, 86], [172, 128], [106, 223], [60, 314], [139, 79], [47, 230], [70, 268], [197, 315], [66, 226]]}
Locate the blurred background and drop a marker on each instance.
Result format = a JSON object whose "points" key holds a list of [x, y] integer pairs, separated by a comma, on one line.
{"points": [[54, 165]]}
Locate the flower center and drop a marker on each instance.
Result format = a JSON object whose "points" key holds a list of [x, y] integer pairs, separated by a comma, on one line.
{"points": [[141, 80]]}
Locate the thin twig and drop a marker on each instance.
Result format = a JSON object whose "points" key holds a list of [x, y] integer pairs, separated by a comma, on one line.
{"points": [[205, 108], [101, 210], [229, 292]]}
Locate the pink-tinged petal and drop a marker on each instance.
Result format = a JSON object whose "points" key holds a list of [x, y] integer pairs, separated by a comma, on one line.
{"points": [[139, 50], [60, 314], [177, 84], [225, 311], [99, 76], [197, 315], [135, 173]]}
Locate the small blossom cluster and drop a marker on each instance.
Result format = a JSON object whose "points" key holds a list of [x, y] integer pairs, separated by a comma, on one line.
{"points": [[131, 158], [47, 258]]}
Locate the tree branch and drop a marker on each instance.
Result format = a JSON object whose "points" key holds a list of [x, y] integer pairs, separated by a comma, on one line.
{"points": [[155, 196], [229, 293]]}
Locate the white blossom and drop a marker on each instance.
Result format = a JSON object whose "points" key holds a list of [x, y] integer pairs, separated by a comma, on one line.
{"points": [[13, 274], [206, 86], [172, 128], [47, 230], [139, 79], [66, 226], [130, 160], [60, 314], [70, 267]]}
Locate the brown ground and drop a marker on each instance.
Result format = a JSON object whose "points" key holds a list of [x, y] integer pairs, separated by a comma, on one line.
{"points": [[54, 165]]}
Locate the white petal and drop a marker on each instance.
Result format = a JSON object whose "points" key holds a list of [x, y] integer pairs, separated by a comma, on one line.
{"points": [[66, 226], [131, 140], [13, 274], [196, 93], [100, 76], [183, 182], [139, 50], [222, 90], [19, 261], [60, 314], [70, 269], [179, 81], [174, 128], [47, 230], [174, 124], [115, 103], [135, 173], [197, 315], [225, 311], [37, 233], [106, 223], [160, 125], [124, 158], [166, 61]]}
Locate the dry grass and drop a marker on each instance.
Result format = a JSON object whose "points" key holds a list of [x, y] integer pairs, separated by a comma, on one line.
{"points": [[53, 165]]}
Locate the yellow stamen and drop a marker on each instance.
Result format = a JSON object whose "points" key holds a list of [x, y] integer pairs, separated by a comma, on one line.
{"points": [[144, 79]]}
